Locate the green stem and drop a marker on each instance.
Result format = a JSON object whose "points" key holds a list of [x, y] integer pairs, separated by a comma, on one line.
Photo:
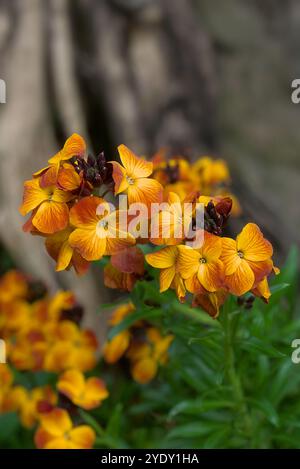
{"points": [[234, 379]]}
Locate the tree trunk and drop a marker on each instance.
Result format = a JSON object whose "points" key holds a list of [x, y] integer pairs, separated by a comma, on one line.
{"points": [[140, 72]]}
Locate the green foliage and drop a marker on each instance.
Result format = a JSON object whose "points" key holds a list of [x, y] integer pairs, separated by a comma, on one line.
{"points": [[229, 383], [233, 386]]}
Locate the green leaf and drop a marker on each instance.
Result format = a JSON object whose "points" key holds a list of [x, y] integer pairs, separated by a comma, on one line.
{"points": [[90, 420], [199, 406], [195, 429], [255, 345], [267, 408], [279, 288], [146, 313], [9, 424]]}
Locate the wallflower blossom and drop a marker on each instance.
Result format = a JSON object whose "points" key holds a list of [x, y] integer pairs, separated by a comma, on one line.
{"points": [[51, 212], [247, 260], [167, 260], [56, 431], [86, 393], [202, 268], [133, 178], [96, 235]]}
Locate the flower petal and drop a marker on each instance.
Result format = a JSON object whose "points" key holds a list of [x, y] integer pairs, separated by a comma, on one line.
{"points": [[71, 384], [166, 277], [119, 177], [33, 196], [242, 280], [115, 348], [253, 244], [135, 167], [51, 217], [212, 247], [211, 275], [229, 256], [56, 422], [68, 179], [164, 258], [188, 261], [89, 245], [144, 370], [84, 213], [145, 191], [74, 146], [82, 437]]}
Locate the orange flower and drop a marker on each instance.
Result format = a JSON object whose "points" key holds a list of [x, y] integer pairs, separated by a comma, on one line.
{"points": [[68, 179], [51, 212], [169, 223], [167, 260], [74, 146], [202, 268], [56, 431], [13, 285], [124, 269], [247, 260], [114, 349], [96, 235], [262, 290], [132, 178], [145, 356], [70, 347], [211, 301], [59, 248], [86, 393]]}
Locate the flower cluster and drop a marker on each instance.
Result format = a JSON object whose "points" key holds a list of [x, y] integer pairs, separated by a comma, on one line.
{"points": [[43, 333], [142, 344], [81, 226]]}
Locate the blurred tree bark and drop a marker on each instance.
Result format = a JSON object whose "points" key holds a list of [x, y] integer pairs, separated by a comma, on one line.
{"points": [[142, 72]]}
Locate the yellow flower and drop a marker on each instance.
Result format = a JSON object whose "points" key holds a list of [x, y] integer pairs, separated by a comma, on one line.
{"points": [[167, 260], [86, 393], [56, 431]]}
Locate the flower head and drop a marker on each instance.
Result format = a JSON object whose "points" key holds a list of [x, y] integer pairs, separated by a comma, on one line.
{"points": [[247, 260], [133, 178], [56, 431], [86, 393]]}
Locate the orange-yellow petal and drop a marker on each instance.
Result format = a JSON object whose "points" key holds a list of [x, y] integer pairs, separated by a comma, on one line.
{"points": [[242, 280], [229, 256], [84, 213], [164, 258], [211, 275], [188, 261], [119, 177], [166, 277], [89, 245], [115, 348], [68, 179], [71, 383], [51, 217], [144, 370], [253, 245], [56, 422], [82, 437], [145, 191], [135, 167], [33, 196], [74, 146]]}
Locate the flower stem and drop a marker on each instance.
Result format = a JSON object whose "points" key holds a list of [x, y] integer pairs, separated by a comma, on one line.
{"points": [[234, 379]]}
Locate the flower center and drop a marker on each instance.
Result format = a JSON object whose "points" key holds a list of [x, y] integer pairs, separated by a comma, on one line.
{"points": [[240, 254], [103, 224], [129, 180], [202, 260]]}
